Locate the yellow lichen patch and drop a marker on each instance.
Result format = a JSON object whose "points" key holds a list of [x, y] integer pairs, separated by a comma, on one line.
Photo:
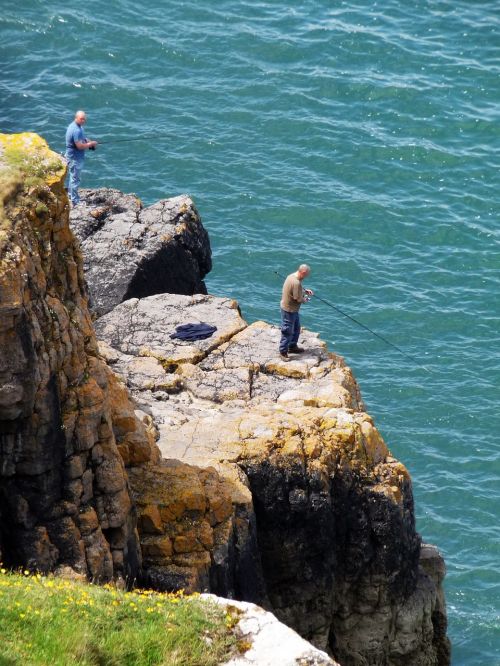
{"points": [[398, 495], [375, 447], [400, 472], [327, 423], [312, 446], [259, 447], [30, 155], [292, 447], [293, 369], [393, 493]]}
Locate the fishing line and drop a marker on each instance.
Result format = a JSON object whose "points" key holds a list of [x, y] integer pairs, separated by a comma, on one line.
{"points": [[367, 328]]}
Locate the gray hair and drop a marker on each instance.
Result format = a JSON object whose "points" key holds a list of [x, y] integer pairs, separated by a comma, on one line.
{"points": [[304, 268]]}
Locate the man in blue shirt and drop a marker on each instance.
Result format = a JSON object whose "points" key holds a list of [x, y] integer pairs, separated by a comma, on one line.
{"points": [[76, 145]]}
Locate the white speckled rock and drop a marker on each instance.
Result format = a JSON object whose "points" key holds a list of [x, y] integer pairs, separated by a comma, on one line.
{"points": [[271, 642]]}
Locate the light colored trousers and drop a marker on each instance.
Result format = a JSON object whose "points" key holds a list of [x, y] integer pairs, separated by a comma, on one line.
{"points": [[75, 169]]}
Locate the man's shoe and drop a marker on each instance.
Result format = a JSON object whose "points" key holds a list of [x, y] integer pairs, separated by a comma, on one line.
{"points": [[295, 349], [284, 356]]}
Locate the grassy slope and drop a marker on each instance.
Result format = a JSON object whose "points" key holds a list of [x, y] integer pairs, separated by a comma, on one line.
{"points": [[56, 622]]}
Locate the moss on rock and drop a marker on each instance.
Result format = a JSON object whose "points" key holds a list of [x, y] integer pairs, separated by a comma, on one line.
{"points": [[28, 155]]}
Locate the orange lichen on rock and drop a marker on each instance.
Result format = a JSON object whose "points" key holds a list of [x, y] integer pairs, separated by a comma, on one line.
{"points": [[63, 417]]}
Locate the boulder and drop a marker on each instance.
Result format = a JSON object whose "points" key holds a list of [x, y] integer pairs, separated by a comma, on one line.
{"points": [[132, 252]]}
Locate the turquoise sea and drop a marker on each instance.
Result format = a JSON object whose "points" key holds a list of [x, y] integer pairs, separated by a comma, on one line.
{"points": [[360, 137]]}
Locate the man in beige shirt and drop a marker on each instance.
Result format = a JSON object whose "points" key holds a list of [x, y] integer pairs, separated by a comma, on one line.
{"points": [[292, 298]]}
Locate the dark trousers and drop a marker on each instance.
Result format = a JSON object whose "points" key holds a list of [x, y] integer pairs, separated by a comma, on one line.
{"points": [[290, 329]]}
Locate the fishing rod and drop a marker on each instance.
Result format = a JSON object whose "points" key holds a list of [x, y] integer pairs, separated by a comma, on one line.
{"points": [[367, 328], [136, 138]]}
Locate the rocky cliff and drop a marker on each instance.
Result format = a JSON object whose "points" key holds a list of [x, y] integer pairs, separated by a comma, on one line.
{"points": [[64, 493], [273, 486], [322, 524]]}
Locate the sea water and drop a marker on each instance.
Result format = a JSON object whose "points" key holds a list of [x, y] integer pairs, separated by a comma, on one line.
{"points": [[360, 137]]}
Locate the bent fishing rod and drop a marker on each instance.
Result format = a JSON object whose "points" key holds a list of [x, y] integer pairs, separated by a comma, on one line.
{"points": [[367, 328]]}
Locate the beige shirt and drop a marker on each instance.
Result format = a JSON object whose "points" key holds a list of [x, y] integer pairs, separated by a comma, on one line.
{"points": [[293, 294]]}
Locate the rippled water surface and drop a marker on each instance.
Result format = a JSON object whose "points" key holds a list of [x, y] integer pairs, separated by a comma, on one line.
{"points": [[360, 137]]}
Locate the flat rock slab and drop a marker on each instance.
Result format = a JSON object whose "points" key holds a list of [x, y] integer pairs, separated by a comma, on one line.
{"points": [[142, 327], [133, 252], [214, 400]]}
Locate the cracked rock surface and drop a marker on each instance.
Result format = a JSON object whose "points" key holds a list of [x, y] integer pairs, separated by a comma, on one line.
{"points": [[131, 251], [315, 518]]}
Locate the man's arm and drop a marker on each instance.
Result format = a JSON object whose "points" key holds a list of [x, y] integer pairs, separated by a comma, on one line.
{"points": [[85, 145]]}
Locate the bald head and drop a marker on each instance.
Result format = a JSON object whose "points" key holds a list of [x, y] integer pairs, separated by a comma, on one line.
{"points": [[80, 117], [303, 271]]}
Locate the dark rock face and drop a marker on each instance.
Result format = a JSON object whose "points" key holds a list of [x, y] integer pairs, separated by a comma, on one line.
{"points": [[432, 564], [334, 548], [133, 252]]}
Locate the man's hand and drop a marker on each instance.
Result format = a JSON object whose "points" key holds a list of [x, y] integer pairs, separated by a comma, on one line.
{"points": [[91, 145], [309, 292]]}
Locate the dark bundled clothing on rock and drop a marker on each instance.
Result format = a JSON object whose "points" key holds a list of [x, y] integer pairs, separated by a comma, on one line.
{"points": [[193, 331]]}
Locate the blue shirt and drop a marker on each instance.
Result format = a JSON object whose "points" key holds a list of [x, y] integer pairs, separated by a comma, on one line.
{"points": [[74, 133]]}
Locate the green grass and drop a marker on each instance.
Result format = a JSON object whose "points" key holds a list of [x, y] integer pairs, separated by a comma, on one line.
{"points": [[54, 622]]}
